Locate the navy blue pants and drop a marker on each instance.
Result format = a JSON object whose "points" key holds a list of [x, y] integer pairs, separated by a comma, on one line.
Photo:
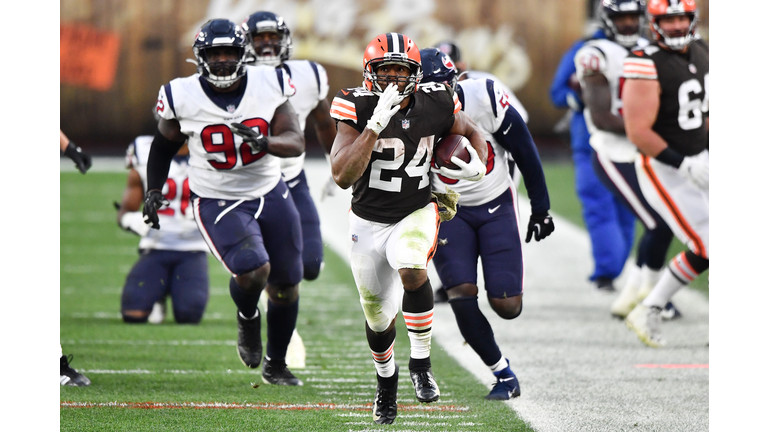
{"points": [[182, 276], [487, 231], [312, 256]]}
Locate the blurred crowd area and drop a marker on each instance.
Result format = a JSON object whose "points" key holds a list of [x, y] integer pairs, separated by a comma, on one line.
{"points": [[115, 54]]}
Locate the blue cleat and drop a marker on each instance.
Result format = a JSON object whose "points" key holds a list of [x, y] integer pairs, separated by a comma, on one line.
{"points": [[505, 388]]}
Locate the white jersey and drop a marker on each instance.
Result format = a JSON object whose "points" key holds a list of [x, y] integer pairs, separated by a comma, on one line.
{"points": [[220, 165], [607, 58], [311, 82], [486, 104], [473, 74], [179, 230]]}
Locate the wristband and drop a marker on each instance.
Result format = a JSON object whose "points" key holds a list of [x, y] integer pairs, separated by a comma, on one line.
{"points": [[670, 157]]}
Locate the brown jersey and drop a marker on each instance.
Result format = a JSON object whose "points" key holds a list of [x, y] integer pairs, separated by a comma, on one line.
{"points": [[396, 181], [684, 80]]}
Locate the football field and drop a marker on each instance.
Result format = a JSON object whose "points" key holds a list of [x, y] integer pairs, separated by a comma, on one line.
{"points": [[579, 369]]}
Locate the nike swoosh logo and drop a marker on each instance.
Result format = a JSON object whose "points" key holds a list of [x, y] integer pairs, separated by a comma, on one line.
{"points": [[293, 183], [345, 92], [507, 129], [442, 242], [285, 195], [491, 210]]}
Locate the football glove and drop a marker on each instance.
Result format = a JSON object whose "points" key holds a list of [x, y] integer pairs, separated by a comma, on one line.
{"points": [[253, 137], [472, 171], [82, 160], [446, 203], [387, 107], [134, 222], [153, 201], [539, 227], [696, 169], [329, 189]]}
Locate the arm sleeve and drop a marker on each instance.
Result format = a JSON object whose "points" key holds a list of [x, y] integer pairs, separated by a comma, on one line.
{"points": [[518, 141], [559, 90], [160, 157]]}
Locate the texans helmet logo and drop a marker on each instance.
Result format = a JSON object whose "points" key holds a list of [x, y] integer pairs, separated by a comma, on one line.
{"points": [[447, 62]]}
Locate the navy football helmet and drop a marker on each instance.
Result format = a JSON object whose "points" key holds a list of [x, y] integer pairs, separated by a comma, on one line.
{"points": [[614, 8], [438, 67], [217, 34], [262, 52]]}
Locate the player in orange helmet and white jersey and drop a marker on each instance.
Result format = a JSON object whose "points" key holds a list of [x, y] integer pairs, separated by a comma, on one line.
{"points": [[383, 148], [486, 224], [238, 123], [666, 113]]}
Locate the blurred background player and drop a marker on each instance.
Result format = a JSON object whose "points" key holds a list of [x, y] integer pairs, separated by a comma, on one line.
{"points": [[238, 122], [486, 223], [666, 112], [386, 132], [172, 261], [610, 224], [270, 44], [599, 65], [67, 374]]}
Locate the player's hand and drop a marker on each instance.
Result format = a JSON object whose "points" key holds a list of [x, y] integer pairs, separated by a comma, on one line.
{"points": [[329, 189], [153, 201], [539, 227], [473, 170], [253, 137], [696, 169], [82, 160], [385, 109]]}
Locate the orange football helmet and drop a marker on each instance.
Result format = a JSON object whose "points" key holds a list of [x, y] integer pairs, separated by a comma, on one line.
{"points": [[665, 8], [392, 48]]}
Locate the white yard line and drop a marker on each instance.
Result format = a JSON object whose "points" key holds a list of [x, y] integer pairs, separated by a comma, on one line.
{"points": [[576, 364]]}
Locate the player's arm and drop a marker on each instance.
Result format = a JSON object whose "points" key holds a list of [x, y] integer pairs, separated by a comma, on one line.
{"points": [[561, 93], [71, 150], [641, 101], [287, 139], [325, 126], [597, 97], [351, 153], [129, 216], [167, 142]]}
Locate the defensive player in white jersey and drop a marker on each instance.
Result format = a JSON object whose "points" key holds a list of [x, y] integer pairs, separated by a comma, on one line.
{"points": [[486, 223], [666, 113], [172, 261], [599, 66], [238, 122]]}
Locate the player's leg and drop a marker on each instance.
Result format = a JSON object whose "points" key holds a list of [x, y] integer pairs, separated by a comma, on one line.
{"points": [[312, 254], [410, 247], [281, 227], [146, 283], [235, 239], [189, 286], [600, 217], [685, 208], [380, 296]]}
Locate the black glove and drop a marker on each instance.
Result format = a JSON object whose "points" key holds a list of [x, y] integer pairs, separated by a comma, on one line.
{"points": [[541, 225], [153, 201], [253, 137], [82, 160]]}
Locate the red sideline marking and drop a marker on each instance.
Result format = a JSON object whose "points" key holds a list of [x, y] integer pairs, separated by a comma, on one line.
{"points": [[673, 366], [268, 406]]}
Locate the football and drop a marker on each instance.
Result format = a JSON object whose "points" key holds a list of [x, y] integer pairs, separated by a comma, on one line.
{"points": [[448, 146]]}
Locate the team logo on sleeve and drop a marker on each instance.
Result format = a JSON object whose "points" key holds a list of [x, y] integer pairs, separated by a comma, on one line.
{"points": [[160, 106], [406, 124]]}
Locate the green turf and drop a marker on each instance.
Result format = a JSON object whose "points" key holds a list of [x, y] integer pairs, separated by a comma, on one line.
{"points": [[563, 199], [169, 363]]}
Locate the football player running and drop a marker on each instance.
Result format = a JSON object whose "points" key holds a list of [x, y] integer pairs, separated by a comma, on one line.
{"points": [[270, 44], [666, 114], [486, 223], [383, 147], [172, 261], [238, 122], [599, 65]]}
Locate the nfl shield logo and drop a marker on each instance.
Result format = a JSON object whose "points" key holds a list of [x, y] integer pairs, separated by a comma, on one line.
{"points": [[230, 109], [354, 238], [406, 124], [692, 68]]}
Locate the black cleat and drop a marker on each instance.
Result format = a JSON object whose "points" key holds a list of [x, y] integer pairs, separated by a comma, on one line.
{"points": [[276, 372], [385, 402], [440, 295], [249, 341], [604, 285], [425, 386], [71, 377]]}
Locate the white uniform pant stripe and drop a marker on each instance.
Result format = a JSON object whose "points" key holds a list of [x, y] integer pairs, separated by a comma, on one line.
{"points": [[206, 237], [626, 190]]}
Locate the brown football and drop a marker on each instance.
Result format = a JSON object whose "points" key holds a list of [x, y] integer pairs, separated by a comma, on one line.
{"points": [[448, 146]]}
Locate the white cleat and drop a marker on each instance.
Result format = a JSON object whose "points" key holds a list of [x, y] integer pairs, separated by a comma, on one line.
{"points": [[646, 323], [625, 302], [296, 356]]}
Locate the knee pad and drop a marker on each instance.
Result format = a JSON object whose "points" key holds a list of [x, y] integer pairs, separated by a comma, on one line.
{"points": [[246, 260]]}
